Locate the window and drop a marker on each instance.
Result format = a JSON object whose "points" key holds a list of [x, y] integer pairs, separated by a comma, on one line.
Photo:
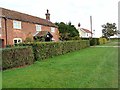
{"points": [[38, 27], [17, 40], [16, 24], [52, 29]]}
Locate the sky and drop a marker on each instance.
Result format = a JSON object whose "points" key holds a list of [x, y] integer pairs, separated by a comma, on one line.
{"points": [[74, 11]]}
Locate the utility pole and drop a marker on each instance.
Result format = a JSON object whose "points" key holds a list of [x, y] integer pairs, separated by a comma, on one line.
{"points": [[91, 25]]}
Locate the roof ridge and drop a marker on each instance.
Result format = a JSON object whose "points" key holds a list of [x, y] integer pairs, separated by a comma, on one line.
{"points": [[24, 16]]}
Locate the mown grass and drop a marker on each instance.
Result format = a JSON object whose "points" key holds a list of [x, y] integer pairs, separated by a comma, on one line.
{"points": [[87, 68]]}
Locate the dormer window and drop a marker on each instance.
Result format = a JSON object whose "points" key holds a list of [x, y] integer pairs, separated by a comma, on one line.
{"points": [[16, 24], [38, 27]]}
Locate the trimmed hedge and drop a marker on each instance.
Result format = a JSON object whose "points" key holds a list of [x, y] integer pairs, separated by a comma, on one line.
{"points": [[20, 56], [50, 49], [16, 57]]}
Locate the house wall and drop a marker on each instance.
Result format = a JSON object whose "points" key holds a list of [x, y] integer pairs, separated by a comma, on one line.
{"points": [[55, 34], [84, 34], [26, 30]]}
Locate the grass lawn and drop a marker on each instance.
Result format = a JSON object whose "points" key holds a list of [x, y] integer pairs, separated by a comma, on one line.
{"points": [[88, 68]]}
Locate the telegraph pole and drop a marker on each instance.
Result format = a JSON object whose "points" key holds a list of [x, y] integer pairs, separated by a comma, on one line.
{"points": [[91, 25]]}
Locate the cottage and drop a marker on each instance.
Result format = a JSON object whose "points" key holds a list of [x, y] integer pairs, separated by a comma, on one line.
{"points": [[15, 26], [84, 33]]}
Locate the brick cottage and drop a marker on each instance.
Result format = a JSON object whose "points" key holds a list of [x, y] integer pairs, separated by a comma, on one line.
{"points": [[15, 27]]}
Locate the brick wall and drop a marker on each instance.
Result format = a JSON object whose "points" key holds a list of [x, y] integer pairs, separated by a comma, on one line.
{"points": [[27, 28]]}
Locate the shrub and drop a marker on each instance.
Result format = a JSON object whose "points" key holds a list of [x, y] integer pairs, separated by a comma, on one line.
{"points": [[102, 40], [16, 57], [43, 50], [97, 41], [50, 49], [94, 41]]}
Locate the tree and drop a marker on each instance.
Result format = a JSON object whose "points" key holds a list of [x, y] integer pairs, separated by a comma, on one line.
{"points": [[67, 31], [109, 29]]}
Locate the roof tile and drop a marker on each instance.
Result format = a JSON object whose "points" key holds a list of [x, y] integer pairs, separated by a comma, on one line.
{"points": [[10, 14]]}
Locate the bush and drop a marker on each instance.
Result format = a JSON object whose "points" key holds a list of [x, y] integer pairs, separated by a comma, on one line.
{"points": [[16, 57], [94, 41], [43, 50], [51, 49], [102, 40], [97, 41]]}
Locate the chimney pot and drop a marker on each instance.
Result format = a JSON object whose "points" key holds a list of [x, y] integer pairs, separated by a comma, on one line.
{"points": [[47, 15]]}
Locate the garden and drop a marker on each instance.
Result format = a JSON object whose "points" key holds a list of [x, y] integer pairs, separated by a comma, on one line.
{"points": [[92, 67]]}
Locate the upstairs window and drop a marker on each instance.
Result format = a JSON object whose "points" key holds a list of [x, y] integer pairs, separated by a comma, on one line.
{"points": [[38, 27], [16, 24], [52, 29], [17, 40]]}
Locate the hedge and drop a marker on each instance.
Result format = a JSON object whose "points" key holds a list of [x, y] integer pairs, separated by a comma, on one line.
{"points": [[51, 49], [20, 56], [16, 57]]}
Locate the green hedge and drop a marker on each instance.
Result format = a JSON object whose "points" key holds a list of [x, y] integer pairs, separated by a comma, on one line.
{"points": [[50, 49], [16, 57], [20, 56]]}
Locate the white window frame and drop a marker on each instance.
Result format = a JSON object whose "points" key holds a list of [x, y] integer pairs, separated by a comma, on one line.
{"points": [[17, 40], [53, 29], [38, 28], [16, 24]]}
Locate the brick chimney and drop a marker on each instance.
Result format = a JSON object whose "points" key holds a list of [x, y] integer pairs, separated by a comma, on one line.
{"points": [[47, 15]]}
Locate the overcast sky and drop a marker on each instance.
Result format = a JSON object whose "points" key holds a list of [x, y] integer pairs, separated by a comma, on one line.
{"points": [[102, 11]]}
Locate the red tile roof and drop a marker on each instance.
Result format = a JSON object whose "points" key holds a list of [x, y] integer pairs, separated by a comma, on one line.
{"points": [[14, 15], [86, 30]]}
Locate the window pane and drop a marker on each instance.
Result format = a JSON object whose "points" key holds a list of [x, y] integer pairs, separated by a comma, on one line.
{"points": [[52, 29], [15, 41], [19, 40], [17, 24], [38, 27]]}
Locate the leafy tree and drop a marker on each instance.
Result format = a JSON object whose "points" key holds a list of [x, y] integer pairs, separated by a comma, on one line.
{"points": [[67, 31], [109, 29]]}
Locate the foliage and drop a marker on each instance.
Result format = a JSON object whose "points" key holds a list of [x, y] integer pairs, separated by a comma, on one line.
{"points": [[75, 38], [16, 57], [109, 29], [94, 41], [97, 41], [67, 31], [102, 40], [86, 68], [28, 39], [51, 49]]}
